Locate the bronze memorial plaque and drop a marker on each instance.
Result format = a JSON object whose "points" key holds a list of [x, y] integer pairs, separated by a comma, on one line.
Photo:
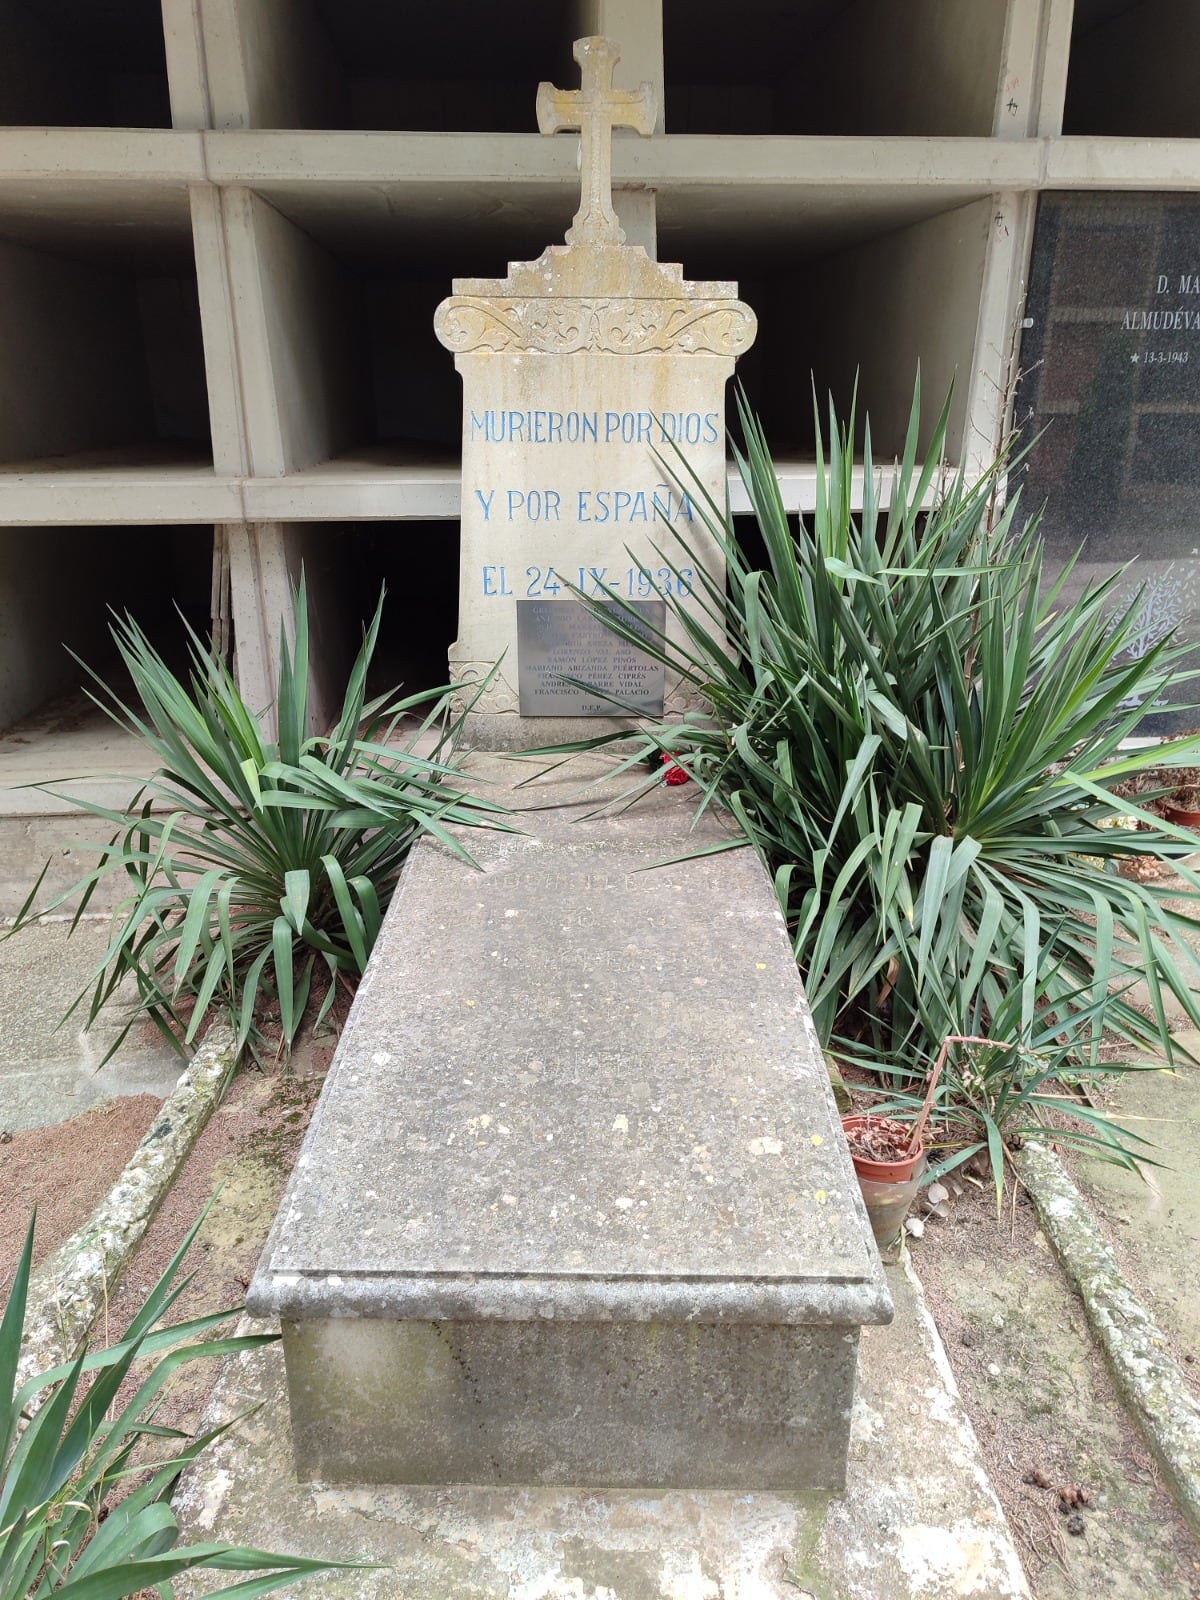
{"points": [[569, 664]]}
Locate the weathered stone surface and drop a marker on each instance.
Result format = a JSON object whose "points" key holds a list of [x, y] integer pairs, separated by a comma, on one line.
{"points": [[577, 373], [596, 108], [579, 1087], [692, 1405]]}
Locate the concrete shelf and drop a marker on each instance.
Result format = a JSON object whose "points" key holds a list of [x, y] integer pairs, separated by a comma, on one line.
{"points": [[372, 483], [1144, 165], [145, 484], [114, 488], [415, 169], [366, 486], [111, 167]]}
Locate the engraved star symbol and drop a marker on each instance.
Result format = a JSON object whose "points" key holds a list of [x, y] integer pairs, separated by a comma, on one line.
{"points": [[1134, 358]]}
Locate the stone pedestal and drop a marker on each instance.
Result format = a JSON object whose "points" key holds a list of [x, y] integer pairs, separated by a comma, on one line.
{"points": [[575, 1207], [590, 377]]}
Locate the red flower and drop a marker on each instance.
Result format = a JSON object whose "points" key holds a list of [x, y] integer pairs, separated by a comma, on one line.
{"points": [[671, 772]]}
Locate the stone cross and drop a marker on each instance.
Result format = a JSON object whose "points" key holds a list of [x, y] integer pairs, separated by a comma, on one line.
{"points": [[596, 109]]}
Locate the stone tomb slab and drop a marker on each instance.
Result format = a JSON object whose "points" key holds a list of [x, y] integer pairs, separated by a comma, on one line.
{"points": [[575, 1207]]}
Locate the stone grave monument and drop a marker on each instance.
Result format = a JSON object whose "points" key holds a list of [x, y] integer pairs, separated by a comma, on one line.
{"points": [[582, 372], [575, 1208]]}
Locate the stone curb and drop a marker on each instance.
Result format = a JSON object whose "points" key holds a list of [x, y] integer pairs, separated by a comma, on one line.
{"points": [[1147, 1375], [68, 1291]]}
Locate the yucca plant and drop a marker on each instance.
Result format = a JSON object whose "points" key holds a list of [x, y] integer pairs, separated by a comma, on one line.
{"points": [[253, 864], [81, 1515], [1012, 1084], [923, 743]]}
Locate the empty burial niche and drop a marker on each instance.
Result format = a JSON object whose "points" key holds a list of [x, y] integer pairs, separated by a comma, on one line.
{"points": [[415, 396], [352, 288], [373, 64], [866, 67], [346, 566], [83, 64], [895, 291], [1132, 69], [58, 589], [104, 363]]}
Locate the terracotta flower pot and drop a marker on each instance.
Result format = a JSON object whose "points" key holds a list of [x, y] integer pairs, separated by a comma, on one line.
{"points": [[888, 1187], [1181, 816], [878, 1171]]}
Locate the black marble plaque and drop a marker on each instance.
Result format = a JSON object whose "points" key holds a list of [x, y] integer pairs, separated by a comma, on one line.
{"points": [[569, 664], [1110, 364]]}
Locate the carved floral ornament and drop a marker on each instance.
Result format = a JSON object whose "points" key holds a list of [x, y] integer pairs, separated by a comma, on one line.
{"points": [[624, 327]]}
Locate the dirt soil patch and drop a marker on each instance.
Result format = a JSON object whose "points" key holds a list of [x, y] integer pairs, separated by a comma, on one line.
{"points": [[1081, 1492], [65, 1171], [241, 1163]]}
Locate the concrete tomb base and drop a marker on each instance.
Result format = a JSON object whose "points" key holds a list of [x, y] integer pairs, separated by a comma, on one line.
{"points": [[609, 1405], [575, 1207], [914, 1522]]}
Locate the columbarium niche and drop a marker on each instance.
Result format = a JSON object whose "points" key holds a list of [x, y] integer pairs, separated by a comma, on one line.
{"points": [[356, 374], [347, 564], [832, 67], [851, 298], [1133, 69], [99, 316], [59, 588], [79, 63], [373, 64]]}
